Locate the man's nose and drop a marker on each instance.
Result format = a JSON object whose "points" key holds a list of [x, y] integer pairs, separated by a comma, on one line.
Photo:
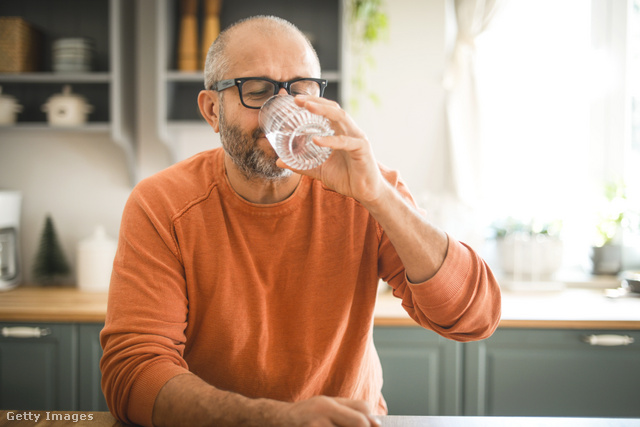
{"points": [[283, 91]]}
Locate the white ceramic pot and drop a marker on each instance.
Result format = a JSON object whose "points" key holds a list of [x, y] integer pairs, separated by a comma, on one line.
{"points": [[530, 257], [67, 109], [9, 109]]}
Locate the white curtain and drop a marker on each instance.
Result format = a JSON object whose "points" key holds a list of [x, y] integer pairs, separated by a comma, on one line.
{"points": [[461, 106]]}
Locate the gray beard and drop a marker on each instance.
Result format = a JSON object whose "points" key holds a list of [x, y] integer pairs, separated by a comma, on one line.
{"points": [[252, 162]]}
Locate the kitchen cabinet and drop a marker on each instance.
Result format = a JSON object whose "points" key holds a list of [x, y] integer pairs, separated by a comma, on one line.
{"points": [[109, 23], [422, 371], [177, 91], [531, 366], [90, 390], [50, 366], [536, 372], [37, 366]]}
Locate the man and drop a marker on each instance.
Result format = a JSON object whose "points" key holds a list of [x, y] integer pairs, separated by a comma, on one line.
{"points": [[243, 292]]}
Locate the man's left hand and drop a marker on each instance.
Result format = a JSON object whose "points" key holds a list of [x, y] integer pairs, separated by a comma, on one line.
{"points": [[351, 169]]}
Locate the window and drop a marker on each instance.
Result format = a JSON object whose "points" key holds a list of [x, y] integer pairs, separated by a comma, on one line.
{"points": [[555, 98]]}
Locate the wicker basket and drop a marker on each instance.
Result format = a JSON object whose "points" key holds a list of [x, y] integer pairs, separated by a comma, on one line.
{"points": [[19, 45]]}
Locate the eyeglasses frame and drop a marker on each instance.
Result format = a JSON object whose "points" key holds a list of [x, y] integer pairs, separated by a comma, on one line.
{"points": [[226, 84]]}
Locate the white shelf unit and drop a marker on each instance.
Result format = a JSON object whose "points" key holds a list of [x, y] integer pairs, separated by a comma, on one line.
{"points": [[110, 24]]}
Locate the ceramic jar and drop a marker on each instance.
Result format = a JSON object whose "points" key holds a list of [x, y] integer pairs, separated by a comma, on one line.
{"points": [[9, 109], [67, 108]]}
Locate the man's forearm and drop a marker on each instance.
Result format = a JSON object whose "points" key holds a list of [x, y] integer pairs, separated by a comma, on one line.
{"points": [[421, 246], [187, 400]]}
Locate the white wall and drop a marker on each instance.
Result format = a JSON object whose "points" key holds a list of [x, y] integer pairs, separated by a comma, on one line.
{"points": [[407, 128], [82, 179]]}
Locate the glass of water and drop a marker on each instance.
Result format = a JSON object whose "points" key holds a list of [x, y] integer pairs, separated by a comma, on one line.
{"points": [[290, 130]]}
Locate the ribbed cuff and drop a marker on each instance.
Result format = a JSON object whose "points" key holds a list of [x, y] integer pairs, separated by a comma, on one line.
{"points": [[146, 387], [448, 281]]}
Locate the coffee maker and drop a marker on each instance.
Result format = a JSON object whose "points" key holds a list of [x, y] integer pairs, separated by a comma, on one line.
{"points": [[10, 274]]}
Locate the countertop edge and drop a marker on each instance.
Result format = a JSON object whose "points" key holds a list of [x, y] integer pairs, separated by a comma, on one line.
{"points": [[68, 305], [528, 324]]}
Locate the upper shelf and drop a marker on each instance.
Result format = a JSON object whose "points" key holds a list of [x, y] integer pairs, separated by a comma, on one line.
{"points": [[177, 91], [51, 77], [197, 76]]}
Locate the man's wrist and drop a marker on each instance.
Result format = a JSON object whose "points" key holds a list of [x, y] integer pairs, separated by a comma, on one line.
{"points": [[378, 202], [266, 412]]}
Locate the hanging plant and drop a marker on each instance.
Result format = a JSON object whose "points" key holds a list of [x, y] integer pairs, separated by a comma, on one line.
{"points": [[369, 24], [611, 218]]}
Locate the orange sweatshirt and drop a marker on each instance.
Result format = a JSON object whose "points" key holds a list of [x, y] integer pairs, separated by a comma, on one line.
{"points": [[268, 301]]}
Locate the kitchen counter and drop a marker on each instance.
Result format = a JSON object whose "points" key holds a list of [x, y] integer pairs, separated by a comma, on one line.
{"points": [[105, 419], [52, 304], [566, 308]]}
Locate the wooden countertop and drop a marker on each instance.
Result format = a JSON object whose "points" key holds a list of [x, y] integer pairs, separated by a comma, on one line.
{"points": [[568, 308], [563, 309], [105, 419], [40, 304]]}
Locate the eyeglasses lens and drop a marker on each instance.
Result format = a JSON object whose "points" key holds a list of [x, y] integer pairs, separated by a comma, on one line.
{"points": [[256, 92], [305, 87]]}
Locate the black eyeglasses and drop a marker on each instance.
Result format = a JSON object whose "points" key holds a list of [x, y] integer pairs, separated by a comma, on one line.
{"points": [[255, 91]]}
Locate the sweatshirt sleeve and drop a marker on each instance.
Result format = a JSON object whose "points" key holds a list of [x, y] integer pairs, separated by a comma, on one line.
{"points": [[144, 334], [461, 301]]}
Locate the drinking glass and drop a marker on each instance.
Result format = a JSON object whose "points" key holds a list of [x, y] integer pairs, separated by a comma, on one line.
{"points": [[290, 129]]}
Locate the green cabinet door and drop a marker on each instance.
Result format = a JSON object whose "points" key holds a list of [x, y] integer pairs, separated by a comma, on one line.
{"points": [[91, 397], [422, 371], [38, 366], [531, 372]]}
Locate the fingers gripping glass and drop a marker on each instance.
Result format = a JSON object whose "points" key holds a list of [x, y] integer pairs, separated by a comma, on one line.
{"points": [[254, 91]]}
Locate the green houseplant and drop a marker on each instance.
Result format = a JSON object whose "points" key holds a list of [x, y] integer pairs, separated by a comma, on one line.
{"points": [[368, 24], [606, 253]]}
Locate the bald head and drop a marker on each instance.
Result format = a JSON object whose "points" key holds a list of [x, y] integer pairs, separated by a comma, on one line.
{"points": [[258, 29]]}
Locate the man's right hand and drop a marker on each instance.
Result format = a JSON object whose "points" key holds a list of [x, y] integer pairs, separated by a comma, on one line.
{"points": [[328, 411], [187, 400]]}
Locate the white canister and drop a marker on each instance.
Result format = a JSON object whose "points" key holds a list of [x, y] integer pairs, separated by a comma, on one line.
{"points": [[95, 261], [9, 109], [67, 109]]}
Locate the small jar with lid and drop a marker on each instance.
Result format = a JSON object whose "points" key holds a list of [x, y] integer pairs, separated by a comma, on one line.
{"points": [[9, 109], [67, 108]]}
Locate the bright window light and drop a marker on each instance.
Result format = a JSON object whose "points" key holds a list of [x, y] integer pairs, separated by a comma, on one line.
{"points": [[539, 75]]}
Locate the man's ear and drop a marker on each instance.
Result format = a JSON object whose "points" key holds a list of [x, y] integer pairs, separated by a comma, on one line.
{"points": [[209, 103]]}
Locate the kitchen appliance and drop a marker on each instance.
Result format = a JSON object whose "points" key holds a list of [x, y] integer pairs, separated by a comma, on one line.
{"points": [[10, 274]]}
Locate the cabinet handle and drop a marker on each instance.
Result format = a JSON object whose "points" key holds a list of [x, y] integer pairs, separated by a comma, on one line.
{"points": [[25, 332], [608, 340]]}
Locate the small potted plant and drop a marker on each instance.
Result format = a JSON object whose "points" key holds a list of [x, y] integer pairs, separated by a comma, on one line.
{"points": [[606, 253], [528, 250]]}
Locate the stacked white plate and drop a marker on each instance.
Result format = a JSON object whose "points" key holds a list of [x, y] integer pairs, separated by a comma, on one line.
{"points": [[73, 55]]}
